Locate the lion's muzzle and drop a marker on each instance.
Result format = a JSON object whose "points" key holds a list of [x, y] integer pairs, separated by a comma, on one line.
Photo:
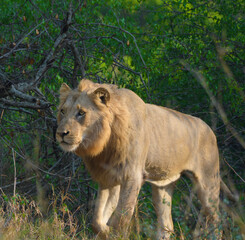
{"points": [[68, 141]]}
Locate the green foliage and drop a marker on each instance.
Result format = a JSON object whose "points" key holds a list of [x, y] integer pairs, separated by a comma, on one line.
{"points": [[140, 45]]}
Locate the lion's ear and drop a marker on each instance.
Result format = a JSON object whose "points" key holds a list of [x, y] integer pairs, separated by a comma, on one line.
{"points": [[64, 91], [103, 95]]}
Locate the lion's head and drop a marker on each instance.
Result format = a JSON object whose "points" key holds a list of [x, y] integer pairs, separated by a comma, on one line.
{"points": [[85, 117]]}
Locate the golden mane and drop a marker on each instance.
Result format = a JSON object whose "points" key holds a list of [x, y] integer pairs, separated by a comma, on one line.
{"points": [[107, 138], [87, 85]]}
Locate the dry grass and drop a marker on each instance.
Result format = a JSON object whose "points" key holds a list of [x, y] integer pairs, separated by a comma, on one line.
{"points": [[21, 218]]}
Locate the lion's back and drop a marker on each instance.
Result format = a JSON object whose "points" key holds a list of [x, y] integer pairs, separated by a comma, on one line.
{"points": [[176, 139]]}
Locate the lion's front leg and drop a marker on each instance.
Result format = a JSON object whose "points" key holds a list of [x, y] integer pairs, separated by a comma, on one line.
{"points": [[127, 200], [111, 203], [106, 203], [99, 225]]}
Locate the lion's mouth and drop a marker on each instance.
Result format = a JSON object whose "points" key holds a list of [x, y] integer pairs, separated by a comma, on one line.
{"points": [[70, 144], [65, 143], [69, 147]]}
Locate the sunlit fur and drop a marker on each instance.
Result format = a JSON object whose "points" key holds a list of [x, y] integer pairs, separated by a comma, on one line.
{"points": [[125, 142]]}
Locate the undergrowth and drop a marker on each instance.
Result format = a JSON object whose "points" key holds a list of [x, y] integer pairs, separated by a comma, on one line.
{"points": [[21, 218]]}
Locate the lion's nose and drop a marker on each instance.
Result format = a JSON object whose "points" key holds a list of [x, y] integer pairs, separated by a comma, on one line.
{"points": [[64, 133]]}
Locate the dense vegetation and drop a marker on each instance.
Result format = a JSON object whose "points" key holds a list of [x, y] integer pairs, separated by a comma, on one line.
{"points": [[188, 55]]}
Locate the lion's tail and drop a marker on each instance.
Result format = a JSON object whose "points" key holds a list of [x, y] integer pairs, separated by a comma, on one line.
{"points": [[227, 192]]}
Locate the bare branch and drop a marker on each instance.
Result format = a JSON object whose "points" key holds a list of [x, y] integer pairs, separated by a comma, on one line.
{"points": [[78, 60], [47, 63], [20, 41], [19, 109], [17, 93], [39, 105]]}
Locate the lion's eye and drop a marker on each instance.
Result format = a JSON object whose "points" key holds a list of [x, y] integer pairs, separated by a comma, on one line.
{"points": [[62, 111], [81, 113]]}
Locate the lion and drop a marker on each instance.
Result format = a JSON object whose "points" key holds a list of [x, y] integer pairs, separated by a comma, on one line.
{"points": [[125, 142]]}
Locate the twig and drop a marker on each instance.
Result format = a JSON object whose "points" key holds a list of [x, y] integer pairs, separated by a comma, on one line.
{"points": [[221, 54], [118, 64], [13, 152], [20, 41], [234, 170], [1, 116], [77, 57], [17, 183], [125, 31], [217, 105]]}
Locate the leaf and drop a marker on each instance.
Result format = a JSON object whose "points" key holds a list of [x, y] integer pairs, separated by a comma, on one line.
{"points": [[31, 61]]}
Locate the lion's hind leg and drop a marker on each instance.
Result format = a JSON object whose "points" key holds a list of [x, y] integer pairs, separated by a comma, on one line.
{"points": [[162, 201], [208, 190]]}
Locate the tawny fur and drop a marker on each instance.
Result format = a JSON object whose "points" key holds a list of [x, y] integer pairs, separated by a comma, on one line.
{"points": [[125, 142]]}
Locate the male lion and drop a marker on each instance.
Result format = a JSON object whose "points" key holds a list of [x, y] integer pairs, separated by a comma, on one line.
{"points": [[125, 142]]}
